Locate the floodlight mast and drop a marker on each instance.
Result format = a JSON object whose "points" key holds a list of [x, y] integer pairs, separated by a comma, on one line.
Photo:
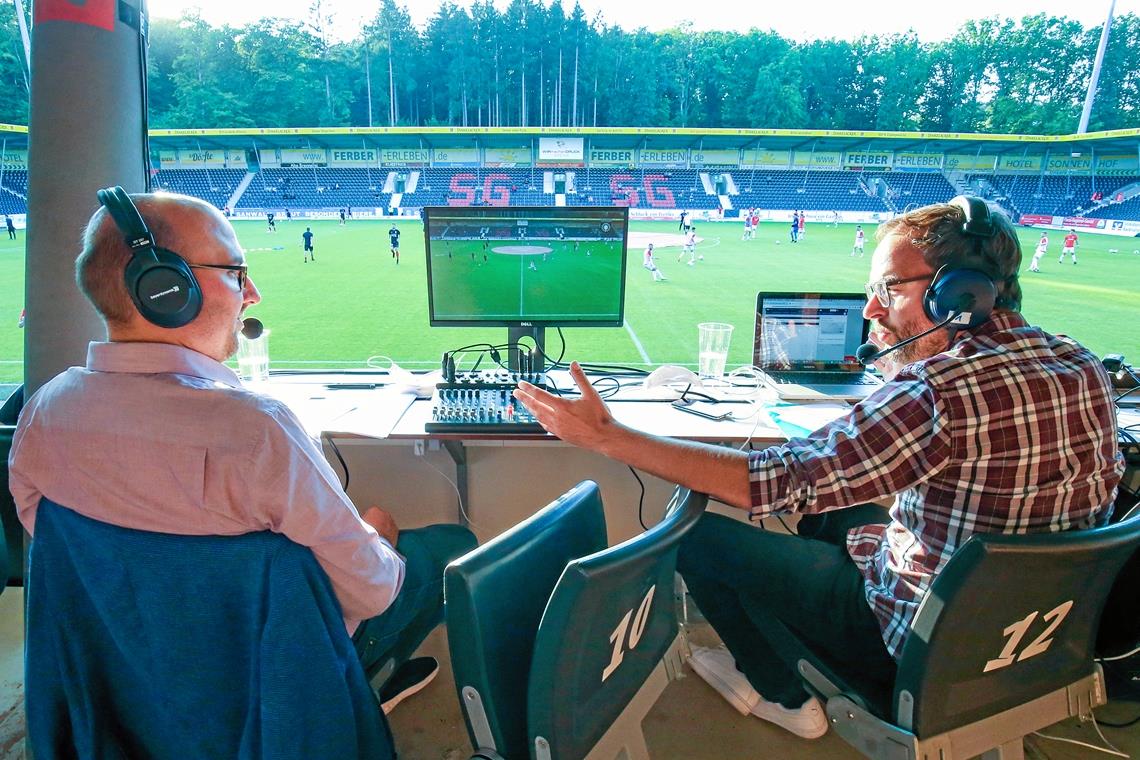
{"points": [[1091, 95]]}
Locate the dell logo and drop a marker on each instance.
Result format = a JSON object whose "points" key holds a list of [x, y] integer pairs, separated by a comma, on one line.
{"points": [[166, 292]]}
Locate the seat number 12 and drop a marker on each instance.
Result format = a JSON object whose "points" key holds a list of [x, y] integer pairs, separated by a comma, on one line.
{"points": [[1017, 631]]}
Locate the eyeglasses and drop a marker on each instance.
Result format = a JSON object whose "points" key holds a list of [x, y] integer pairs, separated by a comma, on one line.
{"points": [[241, 269], [881, 289]]}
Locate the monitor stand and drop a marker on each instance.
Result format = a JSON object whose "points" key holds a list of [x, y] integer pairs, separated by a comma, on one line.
{"points": [[522, 361]]}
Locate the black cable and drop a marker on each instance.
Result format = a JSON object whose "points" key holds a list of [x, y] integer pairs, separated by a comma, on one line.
{"points": [[640, 499], [344, 466], [1128, 724]]}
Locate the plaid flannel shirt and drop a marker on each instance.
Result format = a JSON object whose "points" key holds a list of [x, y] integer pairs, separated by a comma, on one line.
{"points": [[1010, 430]]}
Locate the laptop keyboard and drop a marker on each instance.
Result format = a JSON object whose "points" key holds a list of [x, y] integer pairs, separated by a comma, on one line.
{"points": [[821, 378]]}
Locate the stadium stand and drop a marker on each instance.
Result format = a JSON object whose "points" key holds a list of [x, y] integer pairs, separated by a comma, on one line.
{"points": [[316, 188], [329, 189], [1067, 195], [1129, 209], [813, 190], [212, 185], [14, 191]]}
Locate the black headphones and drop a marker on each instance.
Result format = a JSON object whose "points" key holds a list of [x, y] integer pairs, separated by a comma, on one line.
{"points": [[966, 291], [159, 281]]}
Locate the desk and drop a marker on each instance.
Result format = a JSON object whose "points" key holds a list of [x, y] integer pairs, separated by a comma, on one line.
{"points": [[388, 416]]}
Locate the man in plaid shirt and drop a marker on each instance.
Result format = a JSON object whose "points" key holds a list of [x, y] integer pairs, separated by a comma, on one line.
{"points": [[1002, 428]]}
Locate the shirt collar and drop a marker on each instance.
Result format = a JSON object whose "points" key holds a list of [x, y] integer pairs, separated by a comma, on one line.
{"points": [[157, 358]]}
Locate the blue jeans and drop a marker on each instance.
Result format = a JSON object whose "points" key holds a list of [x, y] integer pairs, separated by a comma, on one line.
{"points": [[808, 582], [396, 633]]}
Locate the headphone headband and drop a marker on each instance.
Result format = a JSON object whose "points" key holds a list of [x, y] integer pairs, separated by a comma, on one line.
{"points": [[127, 218], [978, 222]]}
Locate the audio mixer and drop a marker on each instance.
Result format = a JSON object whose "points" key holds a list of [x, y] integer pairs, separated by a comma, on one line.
{"points": [[482, 402]]}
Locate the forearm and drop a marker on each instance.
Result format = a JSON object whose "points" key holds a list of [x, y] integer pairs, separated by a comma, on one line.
{"points": [[720, 472]]}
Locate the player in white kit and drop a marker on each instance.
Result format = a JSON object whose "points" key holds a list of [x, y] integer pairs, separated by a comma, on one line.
{"points": [[1042, 247], [651, 265]]}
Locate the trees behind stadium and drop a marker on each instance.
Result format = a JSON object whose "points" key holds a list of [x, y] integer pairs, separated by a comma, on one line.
{"points": [[530, 65]]}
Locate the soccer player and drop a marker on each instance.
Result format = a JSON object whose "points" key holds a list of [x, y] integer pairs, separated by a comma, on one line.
{"points": [[270, 225], [342, 216], [307, 236], [690, 246], [1069, 246], [795, 230], [803, 222], [755, 223], [860, 239], [651, 265], [394, 241], [747, 225], [1042, 247], [684, 221]]}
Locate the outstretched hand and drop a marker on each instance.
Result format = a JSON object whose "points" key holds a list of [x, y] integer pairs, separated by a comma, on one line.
{"points": [[585, 421]]}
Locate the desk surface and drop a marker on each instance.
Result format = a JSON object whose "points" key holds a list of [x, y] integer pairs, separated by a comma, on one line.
{"points": [[390, 412]]}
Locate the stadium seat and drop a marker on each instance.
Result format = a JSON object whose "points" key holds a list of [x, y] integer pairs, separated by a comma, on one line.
{"points": [[1002, 646], [11, 533], [560, 655], [155, 645]]}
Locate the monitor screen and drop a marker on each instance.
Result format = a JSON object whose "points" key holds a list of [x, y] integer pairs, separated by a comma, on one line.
{"points": [[510, 265]]}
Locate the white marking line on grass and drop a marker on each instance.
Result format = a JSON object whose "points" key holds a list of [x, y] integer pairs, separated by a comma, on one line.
{"points": [[637, 343]]}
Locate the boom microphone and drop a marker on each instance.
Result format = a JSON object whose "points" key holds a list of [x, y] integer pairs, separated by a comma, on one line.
{"points": [[869, 353], [252, 328]]}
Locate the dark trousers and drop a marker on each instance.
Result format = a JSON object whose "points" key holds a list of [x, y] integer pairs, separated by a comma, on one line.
{"points": [[734, 570], [396, 633]]}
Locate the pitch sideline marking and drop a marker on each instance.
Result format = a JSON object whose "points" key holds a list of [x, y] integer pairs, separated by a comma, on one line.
{"points": [[637, 343]]}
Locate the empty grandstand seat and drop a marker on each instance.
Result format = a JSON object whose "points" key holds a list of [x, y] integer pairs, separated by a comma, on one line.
{"points": [[560, 655], [1001, 646]]}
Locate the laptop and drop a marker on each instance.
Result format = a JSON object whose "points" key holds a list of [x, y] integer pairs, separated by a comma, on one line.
{"points": [[805, 343]]}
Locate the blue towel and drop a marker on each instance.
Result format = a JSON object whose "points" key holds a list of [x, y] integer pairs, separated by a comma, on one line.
{"points": [[161, 646]]}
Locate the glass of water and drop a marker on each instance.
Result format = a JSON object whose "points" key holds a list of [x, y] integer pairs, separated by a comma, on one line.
{"points": [[253, 358], [712, 348]]}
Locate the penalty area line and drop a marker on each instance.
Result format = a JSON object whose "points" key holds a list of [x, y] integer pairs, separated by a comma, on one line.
{"points": [[637, 343]]}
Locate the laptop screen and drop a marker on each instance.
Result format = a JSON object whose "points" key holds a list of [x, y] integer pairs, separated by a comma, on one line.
{"points": [[809, 331]]}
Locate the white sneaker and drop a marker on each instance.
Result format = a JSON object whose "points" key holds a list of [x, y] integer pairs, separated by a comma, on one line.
{"points": [[808, 721], [718, 668]]}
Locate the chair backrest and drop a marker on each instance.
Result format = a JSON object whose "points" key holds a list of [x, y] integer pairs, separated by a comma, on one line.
{"points": [[609, 621], [495, 596], [144, 644], [1010, 618], [11, 533]]}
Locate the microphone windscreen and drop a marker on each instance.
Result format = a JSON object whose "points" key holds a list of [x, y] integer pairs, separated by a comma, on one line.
{"points": [[865, 352], [252, 328]]}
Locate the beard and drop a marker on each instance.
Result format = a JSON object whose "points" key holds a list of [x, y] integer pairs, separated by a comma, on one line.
{"points": [[923, 348]]}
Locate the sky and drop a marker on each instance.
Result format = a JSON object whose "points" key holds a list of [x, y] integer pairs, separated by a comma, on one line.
{"points": [[803, 20]]}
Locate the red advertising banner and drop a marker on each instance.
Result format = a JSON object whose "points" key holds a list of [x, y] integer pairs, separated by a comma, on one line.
{"points": [[1080, 221], [1031, 219], [98, 13]]}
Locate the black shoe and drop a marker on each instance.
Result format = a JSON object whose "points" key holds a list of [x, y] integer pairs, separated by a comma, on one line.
{"points": [[409, 678]]}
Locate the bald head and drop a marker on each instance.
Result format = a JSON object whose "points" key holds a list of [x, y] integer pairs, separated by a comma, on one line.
{"points": [[177, 223]]}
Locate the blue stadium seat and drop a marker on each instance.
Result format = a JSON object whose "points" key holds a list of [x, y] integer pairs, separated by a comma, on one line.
{"points": [[1002, 646], [560, 655]]}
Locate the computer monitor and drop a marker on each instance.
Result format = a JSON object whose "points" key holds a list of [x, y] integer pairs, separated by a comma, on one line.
{"points": [[526, 267]]}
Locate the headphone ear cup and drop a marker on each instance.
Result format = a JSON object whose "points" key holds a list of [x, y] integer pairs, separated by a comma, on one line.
{"points": [[163, 288], [969, 291]]}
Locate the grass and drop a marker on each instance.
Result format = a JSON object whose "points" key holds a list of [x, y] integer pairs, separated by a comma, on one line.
{"points": [[354, 302]]}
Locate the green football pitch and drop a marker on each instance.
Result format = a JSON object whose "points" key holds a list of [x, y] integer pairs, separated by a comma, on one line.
{"points": [[354, 302]]}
